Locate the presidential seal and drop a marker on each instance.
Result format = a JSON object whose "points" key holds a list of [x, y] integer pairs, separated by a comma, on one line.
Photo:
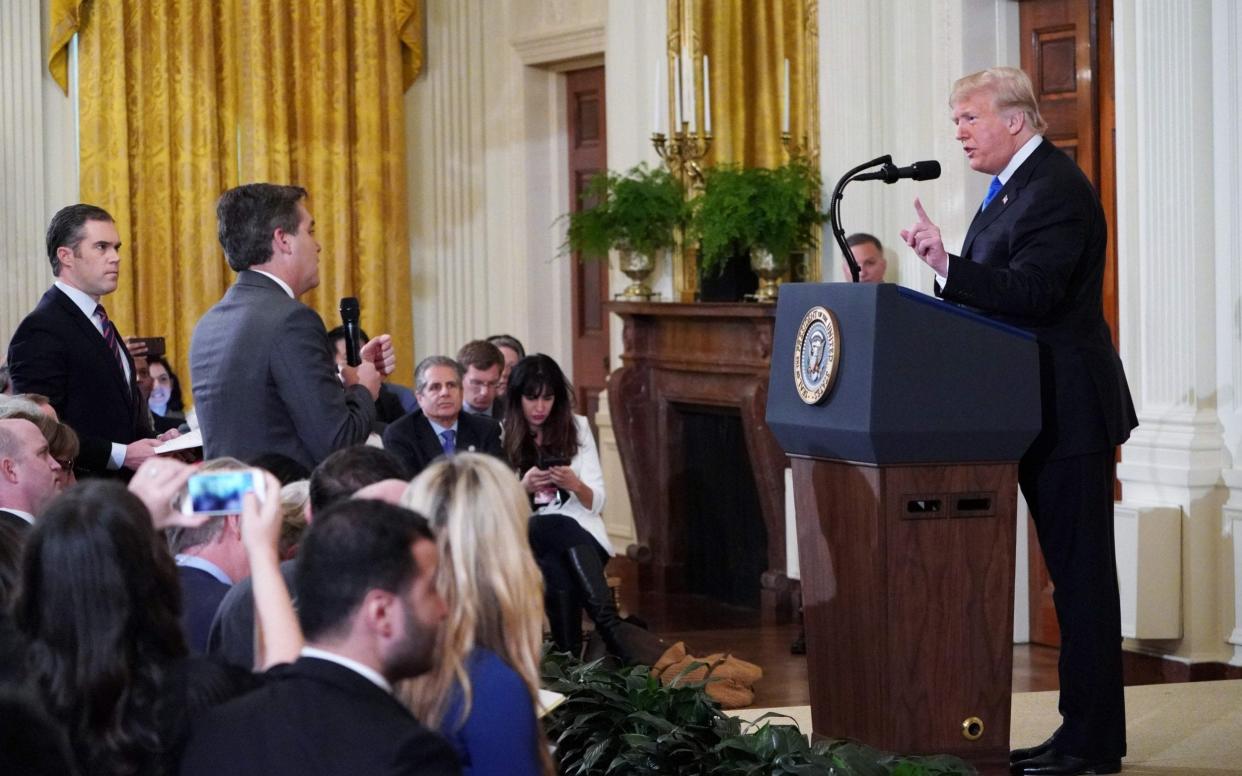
{"points": [[815, 355]]}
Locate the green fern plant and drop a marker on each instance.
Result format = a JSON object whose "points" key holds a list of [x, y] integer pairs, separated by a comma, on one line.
{"points": [[755, 207], [637, 211], [624, 721]]}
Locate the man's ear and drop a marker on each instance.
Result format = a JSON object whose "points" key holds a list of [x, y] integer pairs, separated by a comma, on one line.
{"points": [[8, 469], [64, 255], [379, 612], [1016, 121], [306, 512], [232, 526], [280, 242]]}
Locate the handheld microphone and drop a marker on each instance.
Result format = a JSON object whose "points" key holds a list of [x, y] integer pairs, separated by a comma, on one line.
{"points": [[349, 317], [919, 171]]}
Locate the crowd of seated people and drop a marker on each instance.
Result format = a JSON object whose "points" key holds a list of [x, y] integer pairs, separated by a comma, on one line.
{"points": [[139, 638]]}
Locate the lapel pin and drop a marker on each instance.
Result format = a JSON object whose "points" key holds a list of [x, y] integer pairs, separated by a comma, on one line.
{"points": [[1005, 200]]}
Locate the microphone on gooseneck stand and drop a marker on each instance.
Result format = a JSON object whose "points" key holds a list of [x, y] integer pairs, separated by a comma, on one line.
{"points": [[919, 171], [349, 317]]}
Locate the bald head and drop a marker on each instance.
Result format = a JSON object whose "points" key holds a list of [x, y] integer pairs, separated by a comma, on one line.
{"points": [[27, 470]]}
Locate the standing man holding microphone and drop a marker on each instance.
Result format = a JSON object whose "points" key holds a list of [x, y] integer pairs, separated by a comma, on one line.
{"points": [[265, 378], [1033, 257]]}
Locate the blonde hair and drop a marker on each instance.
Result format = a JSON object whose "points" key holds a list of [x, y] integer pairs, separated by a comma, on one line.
{"points": [[1010, 88], [293, 499], [487, 577]]}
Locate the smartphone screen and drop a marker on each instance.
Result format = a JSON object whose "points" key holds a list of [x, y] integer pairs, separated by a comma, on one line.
{"points": [[219, 493]]}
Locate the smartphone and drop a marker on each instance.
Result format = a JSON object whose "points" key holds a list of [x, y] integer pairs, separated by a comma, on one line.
{"points": [[155, 345], [548, 463], [220, 493]]}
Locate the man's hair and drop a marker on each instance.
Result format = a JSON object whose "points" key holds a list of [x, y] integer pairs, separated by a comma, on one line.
{"points": [[480, 354], [1010, 89], [22, 408], [862, 238], [182, 538], [65, 230], [249, 215], [420, 371], [338, 334], [10, 443], [343, 473], [354, 547], [508, 341]]}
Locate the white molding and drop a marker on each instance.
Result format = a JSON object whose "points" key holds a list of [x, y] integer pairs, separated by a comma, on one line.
{"points": [[561, 46]]}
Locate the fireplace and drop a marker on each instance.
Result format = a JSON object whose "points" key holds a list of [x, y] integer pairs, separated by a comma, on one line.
{"points": [[688, 411]]}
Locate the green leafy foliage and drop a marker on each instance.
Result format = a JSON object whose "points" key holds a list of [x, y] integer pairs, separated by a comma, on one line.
{"points": [[636, 211], [745, 207], [624, 721]]}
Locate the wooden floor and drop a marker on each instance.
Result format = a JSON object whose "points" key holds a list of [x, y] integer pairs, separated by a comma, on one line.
{"points": [[707, 626]]}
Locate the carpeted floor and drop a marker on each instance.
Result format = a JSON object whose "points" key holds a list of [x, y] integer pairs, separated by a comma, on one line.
{"points": [[1191, 729]]}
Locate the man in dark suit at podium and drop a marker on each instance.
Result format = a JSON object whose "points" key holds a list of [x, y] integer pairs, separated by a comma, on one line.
{"points": [[1033, 257]]}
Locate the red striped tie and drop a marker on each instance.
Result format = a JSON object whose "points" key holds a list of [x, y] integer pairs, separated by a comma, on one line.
{"points": [[109, 334]]}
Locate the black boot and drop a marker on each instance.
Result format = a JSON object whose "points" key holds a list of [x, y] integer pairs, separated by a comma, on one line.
{"points": [[628, 642], [564, 620]]}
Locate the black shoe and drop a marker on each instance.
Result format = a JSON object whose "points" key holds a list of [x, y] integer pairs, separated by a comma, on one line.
{"points": [[628, 642], [1051, 763], [1032, 751]]}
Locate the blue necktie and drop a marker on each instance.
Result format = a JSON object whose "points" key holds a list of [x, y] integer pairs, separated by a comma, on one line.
{"points": [[993, 190], [448, 441]]}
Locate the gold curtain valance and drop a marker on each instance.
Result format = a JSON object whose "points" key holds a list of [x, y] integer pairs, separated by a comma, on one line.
{"points": [[64, 20]]}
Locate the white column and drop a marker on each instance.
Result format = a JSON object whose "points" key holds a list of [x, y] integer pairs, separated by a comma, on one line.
{"points": [[23, 262], [1168, 219], [1227, 164]]}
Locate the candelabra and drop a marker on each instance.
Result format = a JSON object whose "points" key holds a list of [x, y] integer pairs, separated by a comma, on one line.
{"points": [[682, 153], [801, 149]]}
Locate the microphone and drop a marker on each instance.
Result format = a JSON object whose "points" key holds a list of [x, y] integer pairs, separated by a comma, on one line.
{"points": [[349, 317], [919, 171]]}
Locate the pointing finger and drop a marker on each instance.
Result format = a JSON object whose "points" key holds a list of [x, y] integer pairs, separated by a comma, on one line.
{"points": [[918, 208]]}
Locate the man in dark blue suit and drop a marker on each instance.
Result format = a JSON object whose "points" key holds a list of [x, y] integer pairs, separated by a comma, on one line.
{"points": [[370, 612], [1034, 258], [68, 350], [439, 427]]}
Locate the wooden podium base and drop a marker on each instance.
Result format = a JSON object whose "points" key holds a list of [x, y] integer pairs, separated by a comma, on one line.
{"points": [[907, 589]]}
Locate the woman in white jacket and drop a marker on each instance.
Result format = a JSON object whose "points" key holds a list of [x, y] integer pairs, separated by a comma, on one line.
{"points": [[555, 455]]}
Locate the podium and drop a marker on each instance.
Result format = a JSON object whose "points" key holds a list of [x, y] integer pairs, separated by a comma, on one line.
{"points": [[905, 488]]}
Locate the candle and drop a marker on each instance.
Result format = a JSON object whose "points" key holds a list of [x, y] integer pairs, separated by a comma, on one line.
{"points": [[785, 111], [687, 62], [677, 97], [660, 95], [707, 97]]}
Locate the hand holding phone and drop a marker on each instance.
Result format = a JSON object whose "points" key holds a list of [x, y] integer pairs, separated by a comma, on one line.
{"points": [[221, 492]]}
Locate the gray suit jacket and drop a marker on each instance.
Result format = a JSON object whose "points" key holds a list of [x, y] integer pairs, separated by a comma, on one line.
{"points": [[265, 379]]}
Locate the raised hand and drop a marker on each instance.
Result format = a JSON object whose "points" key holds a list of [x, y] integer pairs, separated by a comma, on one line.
{"points": [[924, 237]]}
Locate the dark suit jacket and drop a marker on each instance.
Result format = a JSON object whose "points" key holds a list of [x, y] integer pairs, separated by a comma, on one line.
{"points": [[1034, 258], [201, 594], [14, 522], [265, 379], [58, 352], [415, 442], [314, 717]]}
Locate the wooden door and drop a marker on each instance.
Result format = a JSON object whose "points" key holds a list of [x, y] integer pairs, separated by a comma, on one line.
{"points": [[1067, 50], [589, 279]]}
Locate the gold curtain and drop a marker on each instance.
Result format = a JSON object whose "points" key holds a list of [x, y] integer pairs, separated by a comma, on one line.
{"points": [[747, 43], [181, 99]]}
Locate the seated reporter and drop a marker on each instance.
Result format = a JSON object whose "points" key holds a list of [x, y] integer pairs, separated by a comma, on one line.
{"points": [[112, 668], [482, 692], [439, 427], [555, 456]]}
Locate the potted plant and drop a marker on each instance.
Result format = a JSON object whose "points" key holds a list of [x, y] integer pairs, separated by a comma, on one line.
{"points": [[636, 214], [765, 213]]}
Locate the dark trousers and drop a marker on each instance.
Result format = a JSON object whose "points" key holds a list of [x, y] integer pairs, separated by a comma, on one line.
{"points": [[1071, 501], [551, 536]]}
